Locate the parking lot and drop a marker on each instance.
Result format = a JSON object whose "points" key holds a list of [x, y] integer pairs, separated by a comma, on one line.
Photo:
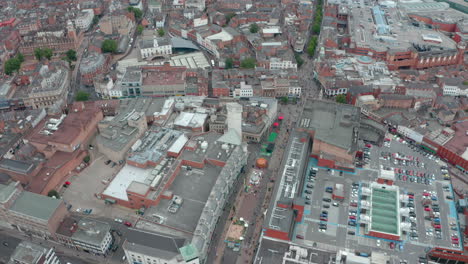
{"points": [[427, 212], [83, 188]]}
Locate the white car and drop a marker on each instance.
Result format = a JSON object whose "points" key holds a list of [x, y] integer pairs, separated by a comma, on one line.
{"points": [[78, 210], [118, 220], [378, 242]]}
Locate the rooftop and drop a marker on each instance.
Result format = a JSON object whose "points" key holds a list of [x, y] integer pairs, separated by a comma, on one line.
{"points": [[27, 253], [7, 190], [17, 166], [35, 205], [154, 145], [193, 120], [194, 187], [383, 28], [153, 244], [92, 62], [91, 231], [333, 123], [121, 182], [288, 187], [385, 209]]}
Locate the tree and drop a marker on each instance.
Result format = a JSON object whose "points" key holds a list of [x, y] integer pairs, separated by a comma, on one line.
{"points": [[161, 32], [254, 28], [71, 55], [48, 53], [341, 98], [53, 193], [20, 57], [136, 11], [229, 16], [140, 29], [12, 65], [316, 28], [95, 21], [109, 45], [248, 63], [86, 159], [82, 96], [38, 53], [43, 53], [284, 100], [228, 63], [299, 60]]}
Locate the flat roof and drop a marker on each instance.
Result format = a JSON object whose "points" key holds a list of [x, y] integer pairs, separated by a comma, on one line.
{"points": [[287, 186], [27, 252], [193, 186], [128, 174], [35, 205], [186, 119], [385, 209], [17, 166], [153, 244], [6, 191], [91, 231], [178, 144], [333, 123]]}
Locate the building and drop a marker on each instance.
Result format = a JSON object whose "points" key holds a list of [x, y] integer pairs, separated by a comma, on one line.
{"points": [[31, 213], [93, 236], [449, 144], [103, 86], [286, 208], [195, 122], [281, 87], [153, 47], [48, 86], [63, 140], [60, 41], [120, 23], [148, 248], [30, 253], [119, 133], [414, 48], [335, 132], [455, 87], [384, 214], [92, 65], [84, 19]]}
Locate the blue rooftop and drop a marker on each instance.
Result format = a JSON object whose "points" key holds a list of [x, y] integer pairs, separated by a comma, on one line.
{"points": [[379, 16]]}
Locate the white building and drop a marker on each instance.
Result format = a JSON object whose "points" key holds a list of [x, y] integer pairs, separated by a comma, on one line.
{"points": [[245, 90], [155, 46], [30, 253], [410, 133], [197, 4], [279, 64], [146, 247], [93, 236], [454, 90], [295, 91], [84, 19]]}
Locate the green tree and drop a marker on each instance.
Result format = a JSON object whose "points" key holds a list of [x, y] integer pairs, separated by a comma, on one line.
{"points": [[71, 55], [20, 57], [299, 59], [254, 28], [316, 28], [95, 21], [228, 63], [248, 63], [38, 53], [161, 32], [229, 16], [48, 53], [341, 98], [284, 100], [12, 65], [465, 82], [86, 159], [82, 96], [140, 29], [109, 45], [136, 11], [53, 193]]}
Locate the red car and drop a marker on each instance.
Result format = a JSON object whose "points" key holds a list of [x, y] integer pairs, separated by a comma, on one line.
{"points": [[427, 209], [352, 217], [392, 245], [411, 196], [323, 219], [299, 237], [128, 224], [437, 226], [368, 145], [353, 204]]}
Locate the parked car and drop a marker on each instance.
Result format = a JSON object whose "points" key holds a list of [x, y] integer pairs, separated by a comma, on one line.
{"points": [[128, 224], [326, 200], [118, 220], [107, 162]]}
